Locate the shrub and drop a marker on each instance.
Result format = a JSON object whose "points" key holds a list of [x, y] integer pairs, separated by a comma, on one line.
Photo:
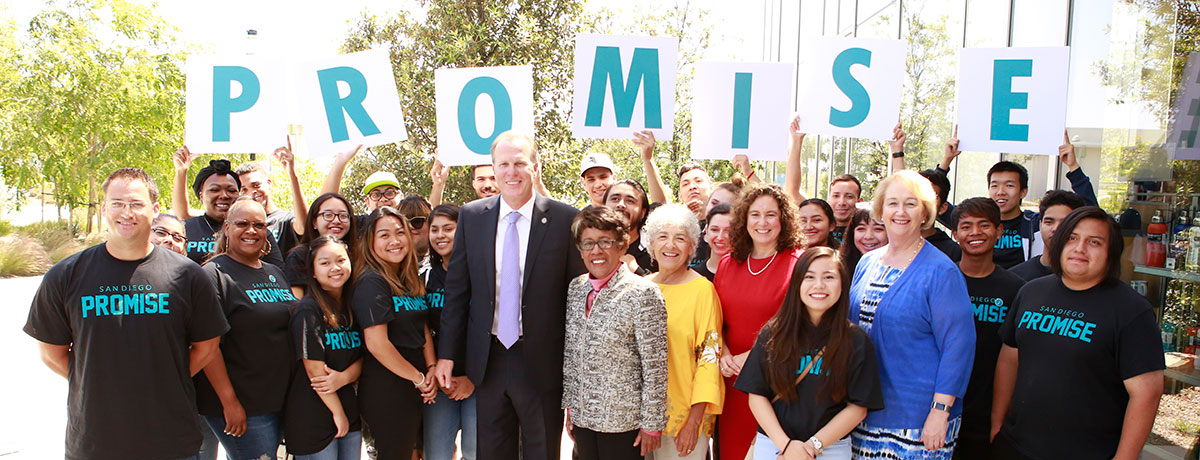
{"points": [[22, 256], [57, 238]]}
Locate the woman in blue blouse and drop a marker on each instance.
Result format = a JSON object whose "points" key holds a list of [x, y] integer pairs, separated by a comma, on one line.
{"points": [[913, 303]]}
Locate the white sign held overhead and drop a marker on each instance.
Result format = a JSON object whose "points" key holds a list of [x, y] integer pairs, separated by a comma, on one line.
{"points": [[474, 105], [851, 87], [234, 104], [1183, 143], [624, 84], [349, 100], [741, 108], [1012, 100]]}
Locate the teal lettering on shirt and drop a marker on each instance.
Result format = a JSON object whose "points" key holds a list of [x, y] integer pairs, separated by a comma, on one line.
{"points": [[143, 303]]}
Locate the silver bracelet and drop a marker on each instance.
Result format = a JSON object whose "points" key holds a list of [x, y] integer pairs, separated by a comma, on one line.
{"points": [[422, 382]]}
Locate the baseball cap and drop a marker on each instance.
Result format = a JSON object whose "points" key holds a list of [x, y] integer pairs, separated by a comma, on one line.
{"points": [[596, 160], [379, 178]]}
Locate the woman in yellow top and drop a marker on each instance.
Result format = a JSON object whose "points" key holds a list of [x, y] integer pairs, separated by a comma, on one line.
{"points": [[695, 390]]}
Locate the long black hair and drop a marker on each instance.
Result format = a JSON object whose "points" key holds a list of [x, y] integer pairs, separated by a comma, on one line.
{"points": [[449, 211], [334, 310]]}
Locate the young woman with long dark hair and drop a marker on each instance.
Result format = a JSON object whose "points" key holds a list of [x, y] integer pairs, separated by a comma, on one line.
{"points": [[811, 375]]}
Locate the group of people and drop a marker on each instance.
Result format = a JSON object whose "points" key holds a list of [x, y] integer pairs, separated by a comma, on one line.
{"points": [[641, 327]]}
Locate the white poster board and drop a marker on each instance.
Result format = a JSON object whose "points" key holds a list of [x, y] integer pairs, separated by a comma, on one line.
{"points": [[234, 104], [850, 87], [741, 108], [623, 85], [349, 100], [1183, 143], [1012, 100], [474, 105]]}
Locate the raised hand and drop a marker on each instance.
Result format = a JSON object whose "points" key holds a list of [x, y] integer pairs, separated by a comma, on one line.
{"points": [[183, 158], [438, 172], [794, 130], [645, 142], [898, 137], [742, 163], [1066, 153], [284, 156], [951, 150]]}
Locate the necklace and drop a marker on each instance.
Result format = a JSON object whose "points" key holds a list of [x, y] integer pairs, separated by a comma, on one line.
{"points": [[920, 245], [751, 270]]}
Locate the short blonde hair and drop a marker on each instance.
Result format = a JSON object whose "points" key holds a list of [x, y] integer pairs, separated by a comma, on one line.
{"points": [[915, 183], [519, 139]]}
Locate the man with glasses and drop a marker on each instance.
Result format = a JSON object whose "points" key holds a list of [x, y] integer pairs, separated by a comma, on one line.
{"points": [[256, 182], [127, 324], [381, 188]]}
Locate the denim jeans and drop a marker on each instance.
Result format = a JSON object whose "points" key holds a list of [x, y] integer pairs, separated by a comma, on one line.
{"points": [[764, 448], [261, 439], [210, 447], [442, 421], [348, 447]]}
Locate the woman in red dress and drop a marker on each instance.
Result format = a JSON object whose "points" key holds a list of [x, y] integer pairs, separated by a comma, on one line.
{"points": [[752, 281]]}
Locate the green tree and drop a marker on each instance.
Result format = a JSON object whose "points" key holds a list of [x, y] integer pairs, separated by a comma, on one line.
{"points": [[100, 88]]}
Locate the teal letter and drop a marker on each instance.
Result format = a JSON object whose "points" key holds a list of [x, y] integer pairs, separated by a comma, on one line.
{"points": [[860, 101], [351, 104], [607, 66], [501, 104], [1004, 100], [224, 103], [741, 109]]}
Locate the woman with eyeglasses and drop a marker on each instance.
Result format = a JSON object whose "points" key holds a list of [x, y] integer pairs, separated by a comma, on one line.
{"points": [[217, 186], [241, 392], [166, 230], [329, 215]]}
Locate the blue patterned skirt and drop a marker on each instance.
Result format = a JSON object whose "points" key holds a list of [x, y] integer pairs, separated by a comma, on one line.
{"points": [[868, 442]]}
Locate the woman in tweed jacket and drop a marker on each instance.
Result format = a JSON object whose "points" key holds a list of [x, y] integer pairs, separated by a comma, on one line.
{"points": [[615, 358]]}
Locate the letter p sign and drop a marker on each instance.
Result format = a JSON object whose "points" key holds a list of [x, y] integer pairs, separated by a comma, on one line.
{"points": [[223, 101]]}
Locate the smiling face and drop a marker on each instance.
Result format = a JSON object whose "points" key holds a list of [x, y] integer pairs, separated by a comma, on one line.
{"points": [[672, 248], [383, 195], [257, 185], [717, 235], [694, 185], [902, 211], [599, 261], [627, 202], [246, 231], [484, 181], [391, 241], [128, 211], [842, 197], [217, 195], [1085, 256], [815, 225], [595, 182], [1050, 220], [763, 221], [331, 267], [1004, 187], [441, 235], [333, 218], [869, 235], [821, 287], [719, 196], [169, 233], [514, 167], [976, 235]]}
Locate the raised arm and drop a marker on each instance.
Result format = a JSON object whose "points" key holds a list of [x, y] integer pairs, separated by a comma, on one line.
{"points": [[182, 159], [951, 152], [333, 180], [794, 172], [654, 181], [1080, 183], [437, 173], [896, 148], [538, 185], [299, 205], [741, 162]]}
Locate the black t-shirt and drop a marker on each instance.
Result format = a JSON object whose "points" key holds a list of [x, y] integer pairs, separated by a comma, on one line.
{"points": [[308, 422], [258, 348], [435, 293], [940, 240], [294, 269], [405, 316], [129, 325], [201, 234], [1031, 269], [280, 224], [703, 270], [812, 409], [1010, 248], [992, 298], [646, 263], [838, 233], [1076, 348]]}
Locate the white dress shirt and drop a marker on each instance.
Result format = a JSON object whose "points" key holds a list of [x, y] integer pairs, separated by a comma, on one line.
{"points": [[523, 225]]}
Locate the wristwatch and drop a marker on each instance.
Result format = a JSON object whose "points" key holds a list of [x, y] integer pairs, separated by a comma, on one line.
{"points": [[940, 406], [817, 444], [899, 154]]}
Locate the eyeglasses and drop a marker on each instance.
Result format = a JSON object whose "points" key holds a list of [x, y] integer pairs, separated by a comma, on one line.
{"points": [[589, 244], [244, 224], [163, 233], [417, 222], [329, 216], [135, 206], [389, 194]]}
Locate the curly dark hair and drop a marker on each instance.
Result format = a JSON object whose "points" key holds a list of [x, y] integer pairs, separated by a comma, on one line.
{"points": [[789, 233]]}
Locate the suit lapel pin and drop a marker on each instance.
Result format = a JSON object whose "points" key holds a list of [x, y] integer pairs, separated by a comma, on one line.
{"points": [[543, 220]]}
